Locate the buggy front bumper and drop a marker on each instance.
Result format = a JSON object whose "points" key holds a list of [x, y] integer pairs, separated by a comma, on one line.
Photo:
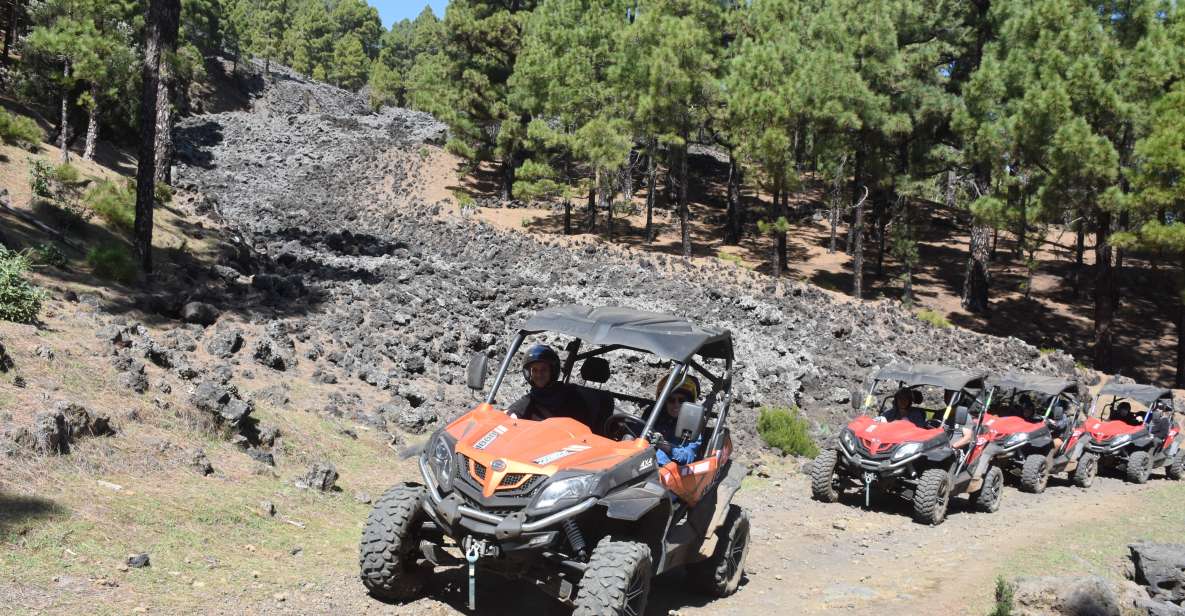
{"points": [[451, 512]]}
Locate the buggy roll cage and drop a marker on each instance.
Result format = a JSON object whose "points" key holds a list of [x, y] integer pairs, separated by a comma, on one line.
{"points": [[679, 370]]}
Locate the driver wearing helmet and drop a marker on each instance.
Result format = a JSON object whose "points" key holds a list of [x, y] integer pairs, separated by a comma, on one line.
{"points": [[903, 408], [673, 446], [1123, 412], [548, 397]]}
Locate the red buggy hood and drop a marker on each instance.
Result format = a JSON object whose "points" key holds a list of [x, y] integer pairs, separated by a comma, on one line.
{"points": [[877, 436], [1101, 430], [1001, 427]]}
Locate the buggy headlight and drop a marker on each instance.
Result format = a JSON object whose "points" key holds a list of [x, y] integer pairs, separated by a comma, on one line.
{"points": [[1119, 440], [441, 461], [571, 488], [906, 450], [1016, 439], [847, 440]]}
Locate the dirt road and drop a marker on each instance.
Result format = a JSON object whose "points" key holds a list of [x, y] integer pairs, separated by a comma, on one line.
{"points": [[814, 558]]}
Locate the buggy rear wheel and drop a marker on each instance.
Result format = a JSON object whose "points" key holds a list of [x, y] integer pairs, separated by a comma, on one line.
{"points": [[823, 476], [387, 556], [617, 580], [1176, 470], [1139, 465], [1086, 471], [932, 497], [1035, 474], [988, 498], [720, 574]]}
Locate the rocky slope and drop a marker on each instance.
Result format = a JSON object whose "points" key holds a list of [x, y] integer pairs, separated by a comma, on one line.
{"points": [[387, 293]]}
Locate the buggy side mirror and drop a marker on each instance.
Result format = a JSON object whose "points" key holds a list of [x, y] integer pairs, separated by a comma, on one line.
{"points": [[691, 421], [475, 374]]}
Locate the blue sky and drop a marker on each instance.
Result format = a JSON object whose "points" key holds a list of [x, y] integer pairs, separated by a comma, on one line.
{"points": [[392, 11]]}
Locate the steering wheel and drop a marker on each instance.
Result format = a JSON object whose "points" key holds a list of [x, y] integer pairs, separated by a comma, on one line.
{"points": [[620, 425]]}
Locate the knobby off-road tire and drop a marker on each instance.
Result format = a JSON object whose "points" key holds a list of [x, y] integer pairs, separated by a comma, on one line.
{"points": [[389, 545], [988, 498], [932, 497], [617, 581], [1139, 465], [1176, 470], [1086, 471], [823, 476], [1035, 474], [721, 573]]}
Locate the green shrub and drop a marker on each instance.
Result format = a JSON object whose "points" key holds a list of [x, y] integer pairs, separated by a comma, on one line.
{"points": [[786, 430], [114, 202], [58, 190], [933, 317], [1004, 598], [735, 259], [48, 254], [162, 193], [20, 301], [20, 131], [67, 174], [113, 262]]}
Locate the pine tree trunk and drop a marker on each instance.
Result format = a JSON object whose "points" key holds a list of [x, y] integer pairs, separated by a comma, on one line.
{"points": [[606, 203], [63, 144], [590, 222], [1103, 303], [651, 181], [164, 122], [882, 220], [683, 207], [507, 177], [995, 241], [857, 233], [783, 260], [9, 32], [976, 278], [732, 231], [773, 220], [567, 216], [1180, 380], [160, 33], [92, 125], [1079, 253]]}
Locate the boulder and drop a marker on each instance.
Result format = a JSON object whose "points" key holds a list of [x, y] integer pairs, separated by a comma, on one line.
{"points": [[1066, 596], [224, 342], [321, 476], [199, 313], [1161, 568], [275, 354]]}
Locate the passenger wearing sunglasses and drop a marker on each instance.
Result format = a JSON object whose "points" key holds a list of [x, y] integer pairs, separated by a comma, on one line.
{"points": [[672, 446]]}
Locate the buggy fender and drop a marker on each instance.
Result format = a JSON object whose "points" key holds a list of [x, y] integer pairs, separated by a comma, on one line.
{"points": [[1142, 442], [632, 503], [1041, 442], [724, 492], [984, 460], [1079, 447]]}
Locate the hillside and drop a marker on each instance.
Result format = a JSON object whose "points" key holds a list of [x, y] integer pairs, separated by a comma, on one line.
{"points": [[318, 299]]}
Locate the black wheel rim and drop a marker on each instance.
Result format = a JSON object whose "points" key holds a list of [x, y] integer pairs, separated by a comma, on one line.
{"points": [[635, 595], [736, 553]]}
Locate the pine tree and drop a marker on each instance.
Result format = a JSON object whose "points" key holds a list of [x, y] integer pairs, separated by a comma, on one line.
{"points": [[349, 63], [160, 35], [357, 18], [483, 41]]}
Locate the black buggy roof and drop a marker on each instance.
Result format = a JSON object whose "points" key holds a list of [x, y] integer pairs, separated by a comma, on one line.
{"points": [[1048, 385], [1144, 394], [664, 335], [929, 374]]}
